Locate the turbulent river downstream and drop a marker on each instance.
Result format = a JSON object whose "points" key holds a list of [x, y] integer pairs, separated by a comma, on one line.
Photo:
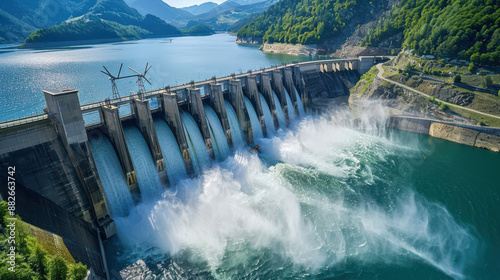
{"points": [[325, 199]]}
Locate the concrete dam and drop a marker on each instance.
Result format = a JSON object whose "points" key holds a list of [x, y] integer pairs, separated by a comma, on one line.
{"points": [[79, 166]]}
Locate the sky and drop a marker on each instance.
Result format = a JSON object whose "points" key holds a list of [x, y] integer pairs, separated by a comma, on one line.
{"points": [[187, 3]]}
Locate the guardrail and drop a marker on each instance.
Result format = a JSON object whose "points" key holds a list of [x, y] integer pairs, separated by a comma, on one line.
{"points": [[24, 120], [86, 108]]}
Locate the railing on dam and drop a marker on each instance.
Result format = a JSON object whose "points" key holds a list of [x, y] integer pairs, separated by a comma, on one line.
{"points": [[179, 90], [21, 121]]}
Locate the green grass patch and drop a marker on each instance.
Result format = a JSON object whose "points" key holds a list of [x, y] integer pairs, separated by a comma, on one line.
{"points": [[368, 77], [490, 121]]}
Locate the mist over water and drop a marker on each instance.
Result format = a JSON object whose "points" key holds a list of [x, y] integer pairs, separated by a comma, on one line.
{"points": [[325, 199]]}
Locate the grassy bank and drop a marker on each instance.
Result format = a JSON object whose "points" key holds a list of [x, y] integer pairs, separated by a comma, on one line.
{"points": [[404, 70]]}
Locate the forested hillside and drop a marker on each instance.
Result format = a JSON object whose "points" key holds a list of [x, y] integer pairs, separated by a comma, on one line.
{"points": [[12, 29], [461, 29], [77, 20], [96, 29], [446, 28], [307, 21], [199, 29]]}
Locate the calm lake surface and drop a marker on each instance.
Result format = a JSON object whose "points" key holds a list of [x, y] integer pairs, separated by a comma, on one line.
{"points": [[25, 73]]}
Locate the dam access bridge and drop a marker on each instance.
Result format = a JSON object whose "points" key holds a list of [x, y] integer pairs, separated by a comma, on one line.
{"points": [[63, 187]]}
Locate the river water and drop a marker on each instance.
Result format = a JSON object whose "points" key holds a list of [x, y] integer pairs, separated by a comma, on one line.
{"points": [[324, 200]]}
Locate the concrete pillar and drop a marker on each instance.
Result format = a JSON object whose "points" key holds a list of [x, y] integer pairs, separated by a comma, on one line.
{"points": [[195, 107], [251, 91], [237, 100], [63, 107], [173, 118], [267, 91], [115, 133], [300, 86], [287, 76], [327, 67], [355, 64], [341, 66], [144, 121], [347, 66], [217, 102], [365, 63], [279, 89]]}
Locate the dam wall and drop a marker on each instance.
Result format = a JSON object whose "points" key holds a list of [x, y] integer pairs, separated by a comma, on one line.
{"points": [[78, 236], [43, 164], [54, 158]]}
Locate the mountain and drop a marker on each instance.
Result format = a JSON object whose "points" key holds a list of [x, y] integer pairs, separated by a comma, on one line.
{"points": [[460, 29], [200, 9], [308, 22], [13, 30], [197, 30], [159, 9], [229, 12], [106, 20], [242, 22], [468, 30], [246, 2], [40, 14], [85, 30]]}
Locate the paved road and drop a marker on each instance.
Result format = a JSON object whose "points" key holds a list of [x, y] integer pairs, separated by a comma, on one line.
{"points": [[381, 71]]}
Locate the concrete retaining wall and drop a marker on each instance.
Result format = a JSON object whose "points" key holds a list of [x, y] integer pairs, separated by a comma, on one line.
{"points": [[476, 136]]}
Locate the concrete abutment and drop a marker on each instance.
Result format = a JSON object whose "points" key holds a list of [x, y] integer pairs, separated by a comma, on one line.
{"points": [[63, 107]]}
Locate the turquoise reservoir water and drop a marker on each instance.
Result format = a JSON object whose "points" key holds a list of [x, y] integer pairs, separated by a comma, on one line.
{"points": [[25, 73], [327, 201]]}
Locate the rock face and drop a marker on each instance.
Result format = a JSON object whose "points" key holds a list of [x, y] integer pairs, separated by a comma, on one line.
{"points": [[303, 50], [465, 136], [249, 40], [453, 133], [488, 141]]}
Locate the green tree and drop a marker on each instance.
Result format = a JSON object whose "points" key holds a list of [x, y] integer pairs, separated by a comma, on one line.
{"points": [[58, 269], [488, 82], [472, 68], [3, 212], [78, 271], [457, 79], [445, 28], [38, 260]]}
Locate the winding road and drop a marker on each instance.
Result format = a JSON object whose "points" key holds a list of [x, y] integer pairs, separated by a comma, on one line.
{"points": [[381, 71]]}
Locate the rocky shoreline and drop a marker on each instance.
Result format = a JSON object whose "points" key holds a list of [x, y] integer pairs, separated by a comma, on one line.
{"points": [[327, 49]]}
